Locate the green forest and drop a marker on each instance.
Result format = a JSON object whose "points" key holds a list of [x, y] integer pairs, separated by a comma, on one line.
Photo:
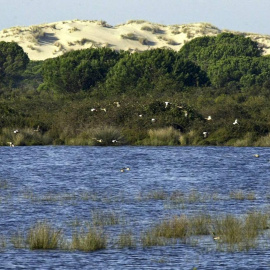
{"points": [[213, 91]]}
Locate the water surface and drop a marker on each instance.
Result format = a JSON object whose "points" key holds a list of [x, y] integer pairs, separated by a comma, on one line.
{"points": [[64, 183]]}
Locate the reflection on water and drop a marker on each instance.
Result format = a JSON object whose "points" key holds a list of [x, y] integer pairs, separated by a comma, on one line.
{"points": [[65, 184]]}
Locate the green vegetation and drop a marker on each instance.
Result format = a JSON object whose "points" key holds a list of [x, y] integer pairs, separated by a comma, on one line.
{"points": [[220, 231], [89, 240], [98, 96], [44, 236]]}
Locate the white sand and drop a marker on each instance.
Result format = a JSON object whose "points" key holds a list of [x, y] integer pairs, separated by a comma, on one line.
{"points": [[53, 39]]}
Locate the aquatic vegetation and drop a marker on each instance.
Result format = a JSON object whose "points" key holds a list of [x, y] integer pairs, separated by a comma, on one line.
{"points": [[149, 238], [18, 239], [89, 240], [177, 227], [241, 195], [126, 240], [101, 218], [44, 236]]}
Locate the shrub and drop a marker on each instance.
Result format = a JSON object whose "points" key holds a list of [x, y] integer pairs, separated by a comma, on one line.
{"points": [[105, 136], [130, 36]]}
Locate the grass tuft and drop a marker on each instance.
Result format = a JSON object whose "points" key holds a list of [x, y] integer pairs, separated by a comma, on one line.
{"points": [[162, 136], [126, 240], [43, 236], [91, 240]]}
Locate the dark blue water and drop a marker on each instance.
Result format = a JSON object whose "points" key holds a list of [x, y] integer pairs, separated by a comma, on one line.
{"points": [[63, 184]]}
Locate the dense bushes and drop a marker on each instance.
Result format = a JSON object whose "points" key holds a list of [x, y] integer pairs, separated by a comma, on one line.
{"points": [[13, 61], [157, 97]]}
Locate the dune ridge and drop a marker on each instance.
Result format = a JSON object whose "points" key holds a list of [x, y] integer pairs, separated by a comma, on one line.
{"points": [[50, 40]]}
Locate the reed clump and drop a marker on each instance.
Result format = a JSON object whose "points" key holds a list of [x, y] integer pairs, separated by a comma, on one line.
{"points": [[18, 239], [241, 233], [100, 218], [43, 236], [157, 195], [162, 136], [241, 195], [150, 238], [200, 225], [126, 240], [177, 227], [90, 240]]}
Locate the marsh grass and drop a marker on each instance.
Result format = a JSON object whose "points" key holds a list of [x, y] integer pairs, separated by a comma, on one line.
{"points": [[177, 227], [157, 195], [162, 136], [43, 236], [200, 225], [89, 240], [263, 141], [126, 240], [240, 233], [18, 239], [150, 238], [241, 195], [26, 136], [100, 218]]}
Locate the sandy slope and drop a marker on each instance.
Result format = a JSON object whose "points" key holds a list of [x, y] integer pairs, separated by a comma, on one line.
{"points": [[53, 39]]}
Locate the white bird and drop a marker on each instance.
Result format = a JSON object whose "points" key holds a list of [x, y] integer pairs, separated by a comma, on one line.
{"points": [[103, 109], [16, 131], [115, 141], [186, 113], [205, 134], [167, 104], [93, 110], [117, 103], [140, 115], [209, 118], [10, 144], [235, 122], [98, 140], [153, 120]]}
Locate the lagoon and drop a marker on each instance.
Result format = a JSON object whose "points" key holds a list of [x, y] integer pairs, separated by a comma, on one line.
{"points": [[68, 185]]}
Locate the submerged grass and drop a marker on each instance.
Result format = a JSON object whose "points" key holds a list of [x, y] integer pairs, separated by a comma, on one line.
{"points": [[100, 218], [126, 240]]}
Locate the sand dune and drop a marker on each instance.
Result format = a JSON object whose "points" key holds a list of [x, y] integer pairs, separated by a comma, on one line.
{"points": [[53, 39]]}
